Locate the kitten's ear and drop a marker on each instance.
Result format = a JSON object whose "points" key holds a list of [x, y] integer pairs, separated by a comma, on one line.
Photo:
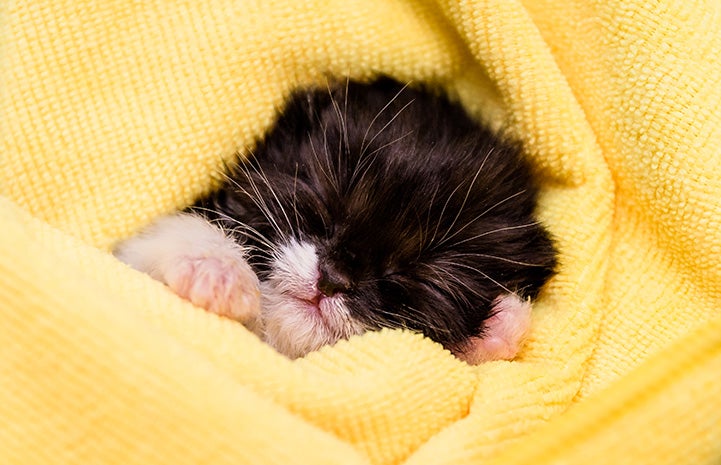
{"points": [[504, 332]]}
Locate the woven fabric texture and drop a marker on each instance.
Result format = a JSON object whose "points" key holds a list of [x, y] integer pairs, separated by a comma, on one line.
{"points": [[115, 112]]}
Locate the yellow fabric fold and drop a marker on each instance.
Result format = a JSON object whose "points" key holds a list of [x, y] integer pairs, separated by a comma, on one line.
{"points": [[115, 112]]}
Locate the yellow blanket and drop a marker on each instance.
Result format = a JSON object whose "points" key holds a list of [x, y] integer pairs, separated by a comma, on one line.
{"points": [[113, 112]]}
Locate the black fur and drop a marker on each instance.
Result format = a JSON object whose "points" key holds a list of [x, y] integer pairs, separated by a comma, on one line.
{"points": [[421, 216]]}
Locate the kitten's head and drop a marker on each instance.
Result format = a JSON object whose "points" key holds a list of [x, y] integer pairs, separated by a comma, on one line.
{"points": [[372, 206]]}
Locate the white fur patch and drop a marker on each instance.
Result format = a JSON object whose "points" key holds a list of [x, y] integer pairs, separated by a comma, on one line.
{"points": [[200, 263], [297, 317]]}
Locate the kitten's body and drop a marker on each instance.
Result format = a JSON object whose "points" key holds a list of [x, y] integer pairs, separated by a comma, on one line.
{"points": [[366, 206]]}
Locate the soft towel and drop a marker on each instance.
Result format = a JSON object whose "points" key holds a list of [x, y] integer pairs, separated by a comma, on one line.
{"points": [[118, 111]]}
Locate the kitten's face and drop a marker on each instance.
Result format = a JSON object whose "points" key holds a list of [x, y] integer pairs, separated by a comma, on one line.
{"points": [[383, 207]]}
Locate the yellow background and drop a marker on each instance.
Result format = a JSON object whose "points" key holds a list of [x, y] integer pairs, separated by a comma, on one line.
{"points": [[115, 112]]}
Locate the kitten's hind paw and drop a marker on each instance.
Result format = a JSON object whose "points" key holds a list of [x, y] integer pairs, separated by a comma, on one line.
{"points": [[504, 332], [199, 262]]}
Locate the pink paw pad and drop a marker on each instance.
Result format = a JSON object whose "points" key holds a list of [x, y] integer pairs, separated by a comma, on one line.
{"points": [[504, 332], [225, 286]]}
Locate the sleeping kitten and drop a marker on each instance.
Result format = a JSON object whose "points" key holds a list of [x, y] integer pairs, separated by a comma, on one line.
{"points": [[366, 206]]}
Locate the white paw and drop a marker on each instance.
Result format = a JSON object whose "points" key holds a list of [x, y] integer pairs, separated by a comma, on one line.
{"points": [[223, 285], [504, 332], [199, 262]]}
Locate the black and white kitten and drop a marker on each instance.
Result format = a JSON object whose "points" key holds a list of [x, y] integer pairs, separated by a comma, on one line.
{"points": [[366, 206]]}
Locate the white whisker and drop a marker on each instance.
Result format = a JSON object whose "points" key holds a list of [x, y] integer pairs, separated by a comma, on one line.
{"points": [[495, 257], [363, 149], [257, 199], [343, 136], [468, 192], [259, 170], [380, 112], [369, 159], [493, 231], [471, 268], [438, 270], [326, 174], [481, 215], [237, 225], [443, 210], [295, 198]]}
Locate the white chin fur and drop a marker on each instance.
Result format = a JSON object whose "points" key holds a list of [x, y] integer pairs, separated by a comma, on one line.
{"points": [[295, 319]]}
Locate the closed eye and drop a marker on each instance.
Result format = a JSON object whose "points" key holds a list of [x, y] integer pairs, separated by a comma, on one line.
{"points": [[390, 272]]}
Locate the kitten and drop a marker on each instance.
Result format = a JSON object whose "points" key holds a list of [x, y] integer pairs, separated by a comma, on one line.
{"points": [[366, 206]]}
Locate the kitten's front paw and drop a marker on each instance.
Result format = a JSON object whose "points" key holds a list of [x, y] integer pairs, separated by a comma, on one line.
{"points": [[223, 285], [199, 262]]}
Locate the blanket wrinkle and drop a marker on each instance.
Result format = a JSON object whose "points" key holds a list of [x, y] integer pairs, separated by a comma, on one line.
{"points": [[116, 112]]}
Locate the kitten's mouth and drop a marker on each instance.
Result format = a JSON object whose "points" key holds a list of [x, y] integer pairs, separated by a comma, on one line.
{"points": [[298, 317], [310, 304], [317, 307]]}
